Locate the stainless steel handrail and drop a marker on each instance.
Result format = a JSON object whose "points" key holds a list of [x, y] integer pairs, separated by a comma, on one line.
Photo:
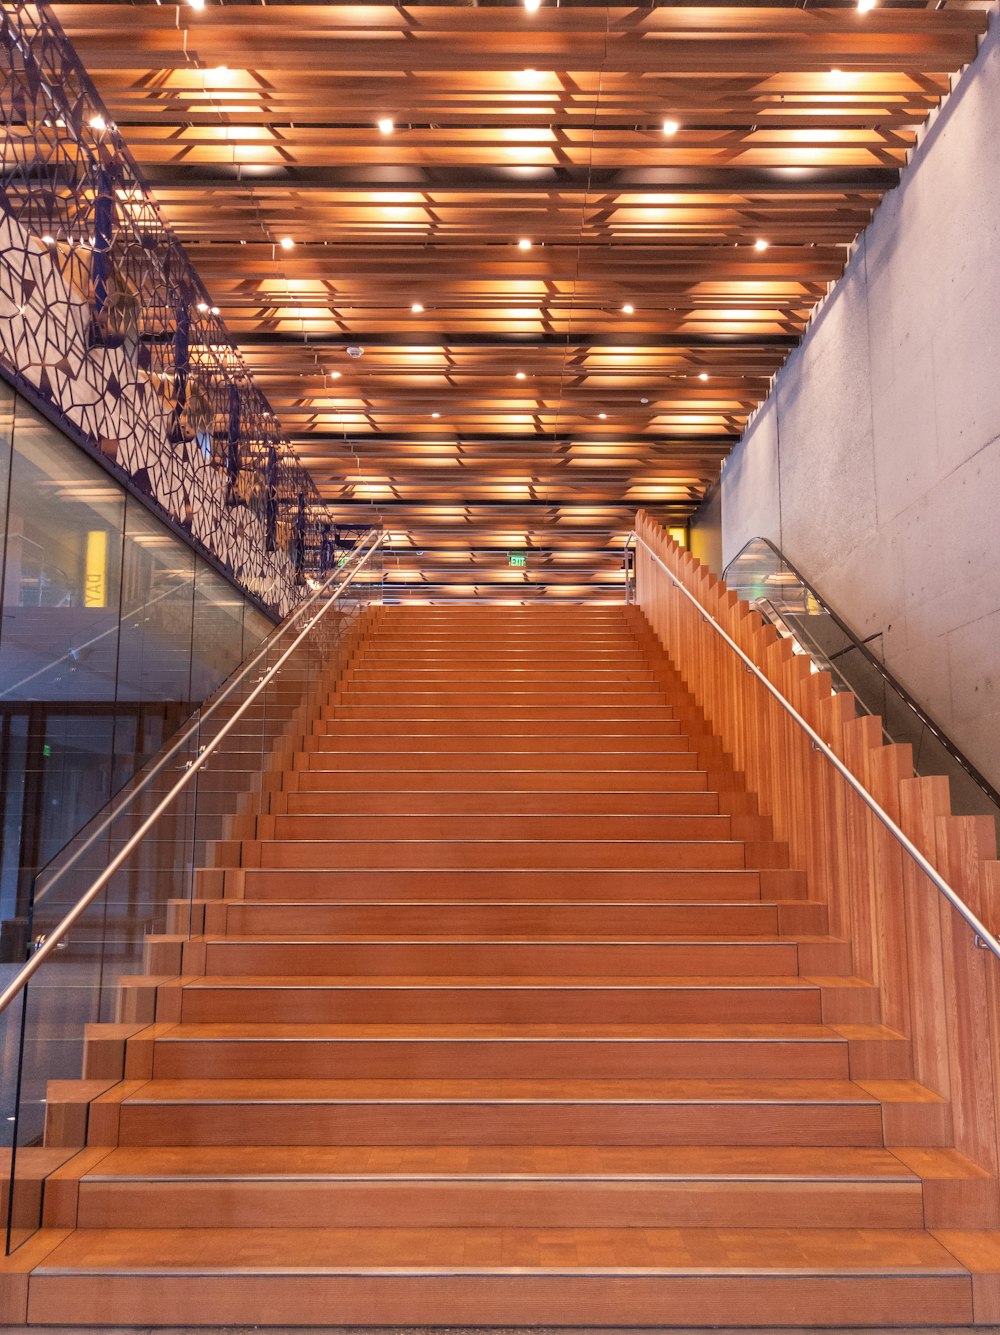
{"points": [[53, 938], [203, 716], [983, 936]]}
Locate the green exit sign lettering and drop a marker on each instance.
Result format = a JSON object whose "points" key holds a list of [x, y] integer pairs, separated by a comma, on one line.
{"points": [[517, 558]]}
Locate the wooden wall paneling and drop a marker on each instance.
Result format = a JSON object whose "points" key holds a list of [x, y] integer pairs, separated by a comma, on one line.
{"points": [[935, 986], [963, 845]]}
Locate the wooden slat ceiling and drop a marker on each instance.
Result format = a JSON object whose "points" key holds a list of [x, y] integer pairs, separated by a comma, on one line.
{"points": [[525, 406]]}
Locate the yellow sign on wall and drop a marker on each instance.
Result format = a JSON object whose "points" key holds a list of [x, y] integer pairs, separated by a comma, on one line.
{"points": [[95, 578]]}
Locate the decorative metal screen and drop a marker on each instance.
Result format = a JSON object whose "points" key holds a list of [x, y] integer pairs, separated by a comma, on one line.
{"points": [[104, 322]]}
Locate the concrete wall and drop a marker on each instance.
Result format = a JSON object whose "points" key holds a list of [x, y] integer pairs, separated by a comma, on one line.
{"points": [[875, 463]]}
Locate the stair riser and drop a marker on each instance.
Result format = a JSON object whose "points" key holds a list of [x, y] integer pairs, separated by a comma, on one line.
{"points": [[515, 1300], [501, 920], [504, 764], [365, 696], [501, 1005], [502, 738], [575, 886], [522, 827], [350, 721], [746, 959], [504, 803], [595, 783], [485, 1204], [452, 1123], [486, 854], [333, 1059]]}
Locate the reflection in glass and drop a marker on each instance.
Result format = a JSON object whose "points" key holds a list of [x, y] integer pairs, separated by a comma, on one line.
{"points": [[761, 575]]}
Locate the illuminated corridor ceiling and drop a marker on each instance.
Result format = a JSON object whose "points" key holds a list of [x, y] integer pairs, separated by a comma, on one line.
{"points": [[689, 180]]}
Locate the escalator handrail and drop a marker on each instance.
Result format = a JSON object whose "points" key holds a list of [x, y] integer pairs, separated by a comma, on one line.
{"points": [[53, 938], [983, 936], [960, 759]]}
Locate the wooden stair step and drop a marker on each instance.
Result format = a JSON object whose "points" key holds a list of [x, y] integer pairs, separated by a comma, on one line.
{"points": [[484, 854], [431, 777], [501, 1276], [525, 826], [494, 1185], [551, 958], [578, 886], [505, 765], [449, 1111], [403, 802], [502, 919], [487, 999], [515, 738], [272, 1051]]}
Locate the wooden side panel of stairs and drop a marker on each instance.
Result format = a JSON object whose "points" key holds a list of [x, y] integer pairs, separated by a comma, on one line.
{"points": [[508, 1010]]}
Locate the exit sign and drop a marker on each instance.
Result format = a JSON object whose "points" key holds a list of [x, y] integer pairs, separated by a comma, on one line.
{"points": [[517, 558]]}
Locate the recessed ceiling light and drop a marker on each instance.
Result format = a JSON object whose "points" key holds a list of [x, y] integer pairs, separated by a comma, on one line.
{"points": [[532, 5], [286, 243], [760, 244], [520, 376], [435, 414], [602, 416], [416, 308], [215, 310], [197, 4], [203, 306], [524, 244], [703, 376], [628, 309], [48, 240], [386, 124], [97, 123], [865, 5], [644, 400], [671, 127]]}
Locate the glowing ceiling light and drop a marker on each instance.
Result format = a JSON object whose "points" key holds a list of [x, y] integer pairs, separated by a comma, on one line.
{"points": [[286, 243], [865, 5], [197, 4], [532, 5], [520, 376], [671, 127], [524, 244], [215, 310], [334, 375], [416, 308], [435, 414], [203, 306], [760, 244], [48, 240], [386, 125], [628, 309], [98, 123], [602, 416], [703, 376]]}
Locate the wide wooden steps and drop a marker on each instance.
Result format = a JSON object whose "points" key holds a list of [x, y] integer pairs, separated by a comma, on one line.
{"points": [[504, 1009]]}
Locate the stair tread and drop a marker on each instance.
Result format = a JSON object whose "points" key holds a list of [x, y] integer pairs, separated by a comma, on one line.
{"points": [[517, 1090], [464, 1032], [484, 1160], [477, 1250], [791, 982]]}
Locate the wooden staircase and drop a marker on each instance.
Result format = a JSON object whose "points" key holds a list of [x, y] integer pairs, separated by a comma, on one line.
{"points": [[508, 1012]]}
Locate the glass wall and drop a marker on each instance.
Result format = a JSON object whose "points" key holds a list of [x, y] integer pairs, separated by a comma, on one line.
{"points": [[111, 631]]}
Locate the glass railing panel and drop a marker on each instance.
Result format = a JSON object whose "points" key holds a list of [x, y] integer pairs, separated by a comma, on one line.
{"points": [[138, 922], [764, 578]]}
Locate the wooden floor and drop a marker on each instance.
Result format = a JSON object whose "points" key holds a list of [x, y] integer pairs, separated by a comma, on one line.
{"points": [[508, 1011]]}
